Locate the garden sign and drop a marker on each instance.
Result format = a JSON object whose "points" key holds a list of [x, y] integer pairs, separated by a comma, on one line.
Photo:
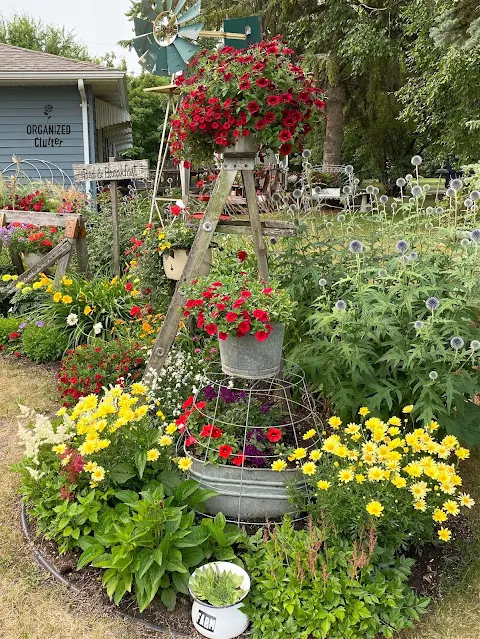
{"points": [[113, 172]]}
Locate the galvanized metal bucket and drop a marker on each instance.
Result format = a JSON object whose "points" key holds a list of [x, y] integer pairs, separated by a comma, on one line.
{"points": [[247, 494], [248, 358]]}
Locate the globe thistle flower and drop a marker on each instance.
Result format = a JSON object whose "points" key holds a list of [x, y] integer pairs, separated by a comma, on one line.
{"points": [[341, 218], [384, 199], [475, 345], [400, 182], [382, 273], [426, 188], [402, 246], [307, 166], [465, 242], [394, 205], [468, 202], [417, 191], [433, 303], [418, 325], [433, 375], [413, 255], [429, 210], [346, 189], [439, 210], [322, 282], [457, 343], [475, 195], [369, 189], [276, 197], [428, 226], [450, 192], [456, 184], [411, 200], [376, 190], [409, 177], [416, 160], [306, 153], [356, 181], [475, 235], [340, 305], [349, 169], [355, 247], [297, 194], [317, 191], [329, 225]]}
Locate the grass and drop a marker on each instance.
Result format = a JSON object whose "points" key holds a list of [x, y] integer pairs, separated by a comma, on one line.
{"points": [[33, 606]]}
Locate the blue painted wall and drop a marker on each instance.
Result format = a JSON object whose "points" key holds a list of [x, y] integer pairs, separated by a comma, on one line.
{"points": [[42, 123]]}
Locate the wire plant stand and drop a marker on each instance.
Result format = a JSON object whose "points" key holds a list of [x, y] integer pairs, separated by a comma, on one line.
{"points": [[251, 492]]}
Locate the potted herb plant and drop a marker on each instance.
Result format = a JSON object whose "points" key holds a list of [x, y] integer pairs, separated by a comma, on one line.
{"points": [[259, 93], [29, 240], [249, 318], [175, 244], [218, 590]]}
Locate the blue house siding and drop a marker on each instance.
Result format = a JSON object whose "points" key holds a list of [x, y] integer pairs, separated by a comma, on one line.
{"points": [[44, 123]]}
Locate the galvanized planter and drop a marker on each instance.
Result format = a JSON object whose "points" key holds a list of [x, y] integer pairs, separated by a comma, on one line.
{"points": [[31, 259], [173, 265], [248, 358], [247, 494]]}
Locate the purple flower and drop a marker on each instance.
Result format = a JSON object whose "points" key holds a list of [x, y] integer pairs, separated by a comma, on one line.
{"points": [[255, 433], [254, 455], [39, 324], [22, 326], [210, 393], [265, 408]]}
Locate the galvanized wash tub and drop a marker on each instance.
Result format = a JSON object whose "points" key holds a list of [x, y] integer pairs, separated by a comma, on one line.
{"points": [[248, 358], [248, 494]]}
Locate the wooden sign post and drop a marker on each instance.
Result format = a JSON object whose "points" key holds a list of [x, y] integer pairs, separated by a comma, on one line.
{"points": [[113, 172]]}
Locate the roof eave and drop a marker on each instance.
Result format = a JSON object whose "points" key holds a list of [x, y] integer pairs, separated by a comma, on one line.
{"points": [[84, 75]]}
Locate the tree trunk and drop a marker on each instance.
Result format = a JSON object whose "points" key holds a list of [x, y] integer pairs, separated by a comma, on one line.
{"points": [[335, 105]]}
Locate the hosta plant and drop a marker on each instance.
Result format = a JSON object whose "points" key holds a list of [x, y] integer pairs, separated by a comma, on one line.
{"points": [[217, 587]]}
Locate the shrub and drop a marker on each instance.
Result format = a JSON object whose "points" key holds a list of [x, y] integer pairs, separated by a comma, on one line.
{"points": [[9, 332], [42, 343], [306, 583], [90, 367]]}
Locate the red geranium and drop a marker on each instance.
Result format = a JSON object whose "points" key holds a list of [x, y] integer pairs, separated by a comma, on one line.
{"points": [[242, 256], [225, 451], [274, 435]]}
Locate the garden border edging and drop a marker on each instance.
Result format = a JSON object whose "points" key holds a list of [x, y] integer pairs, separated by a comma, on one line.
{"points": [[58, 577]]}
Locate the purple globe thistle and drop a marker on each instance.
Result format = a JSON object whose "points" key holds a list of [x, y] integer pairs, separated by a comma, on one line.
{"points": [[457, 343], [341, 305], [413, 255], [475, 235], [433, 303], [355, 247], [418, 324], [433, 375], [475, 345], [402, 246]]}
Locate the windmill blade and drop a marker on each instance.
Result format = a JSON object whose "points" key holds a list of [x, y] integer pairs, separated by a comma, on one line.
{"points": [[147, 7], [193, 12], [161, 63], [146, 45], [147, 65], [163, 5], [179, 7], [191, 31], [185, 49], [142, 27], [175, 60], [169, 5]]}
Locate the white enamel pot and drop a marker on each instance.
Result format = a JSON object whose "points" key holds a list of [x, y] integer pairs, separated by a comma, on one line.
{"points": [[226, 622]]}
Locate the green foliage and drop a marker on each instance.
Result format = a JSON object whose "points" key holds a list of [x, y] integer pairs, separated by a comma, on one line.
{"points": [[304, 585], [8, 325], [217, 587], [43, 343]]}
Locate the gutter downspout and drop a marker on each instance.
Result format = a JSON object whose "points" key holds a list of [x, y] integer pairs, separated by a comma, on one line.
{"points": [[86, 132]]}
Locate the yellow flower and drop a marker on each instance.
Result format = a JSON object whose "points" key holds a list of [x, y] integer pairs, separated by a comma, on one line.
{"points": [[450, 441], [352, 429], [90, 466], [153, 454], [373, 423], [87, 310], [98, 474], [395, 421], [439, 516], [363, 411], [345, 475], [6, 278], [335, 422], [66, 281], [375, 508], [331, 444], [36, 286], [414, 469], [309, 468], [445, 534], [184, 463], [315, 455], [160, 414], [433, 426], [87, 448], [19, 284], [114, 281], [66, 299], [407, 409], [462, 453], [419, 489], [61, 411], [309, 434], [66, 460], [59, 449], [57, 297], [376, 474], [322, 484], [466, 500], [279, 465], [360, 478], [420, 505], [451, 507], [138, 389], [165, 440], [393, 431], [171, 428], [299, 453]]}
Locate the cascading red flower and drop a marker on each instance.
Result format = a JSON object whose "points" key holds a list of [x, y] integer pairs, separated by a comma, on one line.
{"points": [[225, 451], [274, 435]]}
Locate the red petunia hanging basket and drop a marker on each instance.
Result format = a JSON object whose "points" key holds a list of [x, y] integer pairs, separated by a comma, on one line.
{"points": [[260, 93]]}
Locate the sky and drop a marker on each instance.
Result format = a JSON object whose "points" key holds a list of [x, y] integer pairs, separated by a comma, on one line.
{"points": [[99, 24]]}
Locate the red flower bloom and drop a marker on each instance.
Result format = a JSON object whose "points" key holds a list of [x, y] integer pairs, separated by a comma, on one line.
{"points": [[13, 336], [253, 107], [128, 286], [262, 83], [285, 135], [286, 149], [274, 435], [267, 291], [273, 100], [188, 402], [261, 316], [269, 117], [223, 336], [238, 460], [238, 303], [211, 431], [135, 311], [190, 440], [261, 336], [231, 316], [200, 405], [211, 329], [225, 451], [175, 210], [242, 256], [243, 329]]}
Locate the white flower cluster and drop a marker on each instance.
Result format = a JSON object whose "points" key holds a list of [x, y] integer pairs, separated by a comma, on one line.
{"points": [[183, 375], [36, 430]]}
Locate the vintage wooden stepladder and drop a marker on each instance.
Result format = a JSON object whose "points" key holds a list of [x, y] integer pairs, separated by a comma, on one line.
{"points": [[240, 158]]}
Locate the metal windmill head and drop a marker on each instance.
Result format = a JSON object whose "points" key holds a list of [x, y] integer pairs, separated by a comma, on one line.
{"points": [[167, 40]]}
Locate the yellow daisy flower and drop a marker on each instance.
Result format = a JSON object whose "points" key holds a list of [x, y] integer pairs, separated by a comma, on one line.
{"points": [[374, 508], [153, 454], [451, 507], [322, 484], [309, 434], [300, 453], [59, 449], [439, 516], [315, 455], [165, 440], [363, 411], [335, 422], [445, 534], [309, 468], [407, 409], [345, 475], [184, 463], [98, 474], [279, 465], [466, 500]]}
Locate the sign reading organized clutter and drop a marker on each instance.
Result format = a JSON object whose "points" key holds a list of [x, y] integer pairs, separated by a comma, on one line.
{"points": [[48, 134], [112, 171]]}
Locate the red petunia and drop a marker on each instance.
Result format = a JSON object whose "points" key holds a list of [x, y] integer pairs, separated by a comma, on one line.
{"points": [[242, 256], [286, 149], [269, 117], [243, 329], [223, 336], [238, 303], [211, 329], [285, 135], [188, 402], [261, 336], [261, 316], [273, 100], [274, 435], [135, 311], [267, 291], [190, 440], [253, 107], [225, 451], [13, 336], [200, 405], [231, 316], [211, 431], [238, 460]]}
